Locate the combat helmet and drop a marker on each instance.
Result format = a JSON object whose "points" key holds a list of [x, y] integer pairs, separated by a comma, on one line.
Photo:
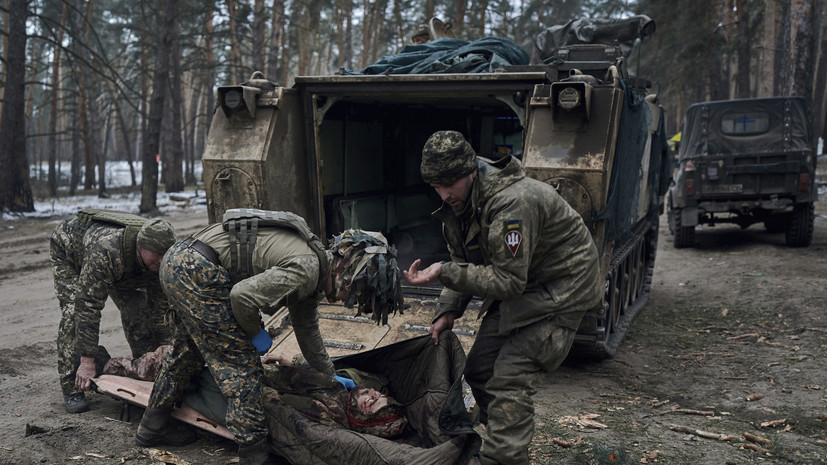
{"points": [[367, 269]]}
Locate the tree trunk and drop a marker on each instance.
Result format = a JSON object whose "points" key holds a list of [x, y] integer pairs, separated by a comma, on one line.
{"points": [[258, 35], [742, 86], [483, 7], [121, 122], [820, 81], [53, 174], [174, 158], [339, 18], [15, 190], [783, 72], [460, 7], [152, 136], [276, 41], [803, 40], [236, 70]]}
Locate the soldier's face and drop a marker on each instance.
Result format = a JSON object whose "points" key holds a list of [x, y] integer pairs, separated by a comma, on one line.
{"points": [[152, 260], [370, 401], [456, 193]]}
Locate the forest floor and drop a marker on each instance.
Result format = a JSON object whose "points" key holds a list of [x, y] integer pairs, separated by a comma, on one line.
{"points": [[725, 364]]}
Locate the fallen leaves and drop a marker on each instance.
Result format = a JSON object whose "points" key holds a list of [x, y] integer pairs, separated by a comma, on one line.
{"points": [[773, 423], [650, 457], [585, 420], [563, 443]]}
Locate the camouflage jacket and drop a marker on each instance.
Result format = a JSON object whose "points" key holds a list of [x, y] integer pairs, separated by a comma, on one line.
{"points": [[98, 258], [285, 271], [518, 242]]}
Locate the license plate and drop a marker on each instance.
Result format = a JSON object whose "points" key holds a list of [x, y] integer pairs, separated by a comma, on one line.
{"points": [[723, 189]]}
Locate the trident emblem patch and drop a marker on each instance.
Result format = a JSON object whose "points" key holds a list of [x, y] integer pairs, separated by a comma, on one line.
{"points": [[513, 239]]}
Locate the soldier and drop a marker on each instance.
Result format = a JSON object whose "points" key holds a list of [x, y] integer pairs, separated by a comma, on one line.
{"points": [[421, 35], [99, 254], [219, 281], [515, 242]]}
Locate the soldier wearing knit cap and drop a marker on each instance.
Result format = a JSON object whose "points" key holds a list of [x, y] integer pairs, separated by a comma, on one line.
{"points": [[515, 242], [102, 254]]}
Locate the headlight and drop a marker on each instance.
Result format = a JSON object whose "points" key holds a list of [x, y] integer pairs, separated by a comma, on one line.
{"points": [[569, 98]]}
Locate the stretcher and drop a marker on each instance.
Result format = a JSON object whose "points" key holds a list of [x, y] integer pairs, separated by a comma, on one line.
{"points": [[137, 392]]}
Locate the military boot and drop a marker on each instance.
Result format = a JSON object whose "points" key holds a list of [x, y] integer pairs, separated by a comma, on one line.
{"points": [[256, 454], [155, 430], [76, 402]]}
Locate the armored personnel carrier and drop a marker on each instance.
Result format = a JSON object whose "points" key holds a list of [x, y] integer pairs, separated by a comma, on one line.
{"points": [[344, 151]]}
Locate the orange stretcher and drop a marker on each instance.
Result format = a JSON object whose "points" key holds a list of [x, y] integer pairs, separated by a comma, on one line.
{"points": [[137, 392]]}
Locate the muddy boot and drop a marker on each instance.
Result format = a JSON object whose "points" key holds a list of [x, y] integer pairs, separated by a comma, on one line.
{"points": [[76, 402], [155, 430], [255, 454]]}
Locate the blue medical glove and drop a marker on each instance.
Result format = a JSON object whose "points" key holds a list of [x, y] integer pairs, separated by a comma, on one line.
{"points": [[346, 382], [262, 341]]}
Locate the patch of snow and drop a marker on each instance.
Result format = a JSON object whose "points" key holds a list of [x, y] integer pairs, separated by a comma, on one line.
{"points": [[117, 175]]}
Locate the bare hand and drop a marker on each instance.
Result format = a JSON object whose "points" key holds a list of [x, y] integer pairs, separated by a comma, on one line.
{"points": [[422, 277], [443, 323], [277, 357], [85, 373]]}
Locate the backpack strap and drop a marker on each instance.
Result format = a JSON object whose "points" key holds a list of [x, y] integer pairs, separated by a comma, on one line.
{"points": [[130, 223], [243, 224]]}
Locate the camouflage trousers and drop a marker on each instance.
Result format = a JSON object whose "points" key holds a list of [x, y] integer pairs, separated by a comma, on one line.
{"points": [[144, 329], [206, 332], [502, 372]]}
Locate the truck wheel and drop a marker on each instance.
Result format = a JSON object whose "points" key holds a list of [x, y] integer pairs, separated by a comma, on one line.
{"points": [[800, 230], [684, 235]]}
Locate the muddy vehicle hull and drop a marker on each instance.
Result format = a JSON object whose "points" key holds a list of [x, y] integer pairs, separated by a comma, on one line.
{"points": [[357, 165], [745, 162]]}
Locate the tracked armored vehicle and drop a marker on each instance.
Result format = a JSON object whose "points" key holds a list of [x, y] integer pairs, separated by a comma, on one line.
{"points": [[344, 151]]}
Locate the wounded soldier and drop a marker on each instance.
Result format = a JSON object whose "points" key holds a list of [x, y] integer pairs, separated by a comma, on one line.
{"points": [[331, 401], [407, 410]]}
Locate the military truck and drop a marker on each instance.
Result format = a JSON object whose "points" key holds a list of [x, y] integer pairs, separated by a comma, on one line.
{"points": [[745, 161], [344, 151]]}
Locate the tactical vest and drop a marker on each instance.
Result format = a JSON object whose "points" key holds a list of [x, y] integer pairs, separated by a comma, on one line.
{"points": [[242, 224], [131, 223]]}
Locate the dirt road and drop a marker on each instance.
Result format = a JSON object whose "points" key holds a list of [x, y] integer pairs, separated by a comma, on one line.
{"points": [[732, 343]]}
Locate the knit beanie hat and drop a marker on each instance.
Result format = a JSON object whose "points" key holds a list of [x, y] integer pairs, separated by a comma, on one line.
{"points": [[446, 157], [156, 235]]}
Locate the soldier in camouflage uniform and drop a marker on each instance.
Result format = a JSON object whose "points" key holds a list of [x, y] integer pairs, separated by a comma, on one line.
{"points": [[219, 321], [99, 254], [517, 244]]}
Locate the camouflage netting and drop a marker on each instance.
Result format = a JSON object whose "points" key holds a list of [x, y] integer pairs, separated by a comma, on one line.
{"points": [[448, 55], [425, 378], [624, 192], [370, 272]]}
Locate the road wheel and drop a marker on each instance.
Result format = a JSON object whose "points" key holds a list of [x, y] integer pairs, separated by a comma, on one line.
{"points": [[800, 229], [684, 235]]}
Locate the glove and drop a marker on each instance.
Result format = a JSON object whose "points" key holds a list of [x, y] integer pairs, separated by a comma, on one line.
{"points": [[262, 341], [346, 382]]}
